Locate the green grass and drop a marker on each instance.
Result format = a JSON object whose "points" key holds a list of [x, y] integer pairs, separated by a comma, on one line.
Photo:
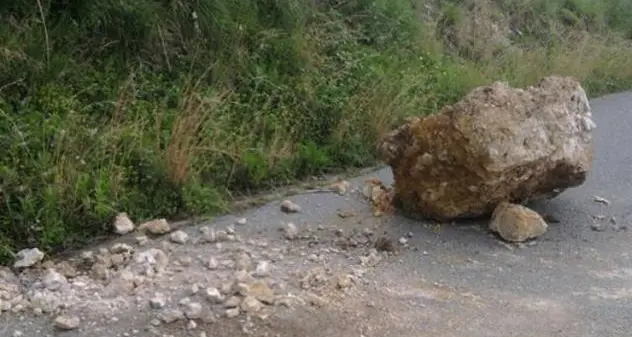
{"points": [[167, 108]]}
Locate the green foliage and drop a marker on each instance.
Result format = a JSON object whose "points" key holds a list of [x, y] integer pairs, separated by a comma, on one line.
{"points": [[164, 108]]}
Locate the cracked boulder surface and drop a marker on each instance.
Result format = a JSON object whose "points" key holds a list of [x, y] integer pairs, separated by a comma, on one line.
{"points": [[339, 270], [496, 144]]}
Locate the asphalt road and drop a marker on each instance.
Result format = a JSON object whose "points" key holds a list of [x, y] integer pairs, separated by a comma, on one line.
{"points": [[459, 279]]}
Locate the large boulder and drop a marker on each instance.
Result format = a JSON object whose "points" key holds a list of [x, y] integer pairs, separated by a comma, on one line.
{"points": [[498, 144]]}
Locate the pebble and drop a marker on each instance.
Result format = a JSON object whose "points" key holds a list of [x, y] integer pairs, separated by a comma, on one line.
{"points": [[242, 221], [67, 322], [171, 315], [193, 310], [213, 295], [262, 269], [119, 248], [157, 227], [232, 302], [232, 312], [290, 231], [250, 305], [122, 224], [28, 257], [141, 240], [191, 325], [288, 206], [179, 237], [403, 240], [158, 301], [212, 264], [54, 280]]}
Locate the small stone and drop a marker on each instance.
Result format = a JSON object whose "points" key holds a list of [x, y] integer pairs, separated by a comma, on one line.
{"points": [[340, 187], [141, 240], [157, 227], [516, 223], [312, 257], [403, 241], [290, 231], [212, 263], [122, 224], [262, 269], [597, 227], [17, 333], [121, 248], [250, 305], [213, 295], [28, 257], [344, 281], [100, 271], [288, 206], [601, 200], [171, 315], [66, 269], [261, 291], [243, 262], [193, 310], [232, 312], [179, 237], [158, 301], [54, 280], [67, 322], [87, 256], [242, 221], [232, 302], [191, 325], [208, 234], [195, 288]]}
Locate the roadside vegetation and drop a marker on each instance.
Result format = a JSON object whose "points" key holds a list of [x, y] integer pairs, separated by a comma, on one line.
{"points": [[170, 108]]}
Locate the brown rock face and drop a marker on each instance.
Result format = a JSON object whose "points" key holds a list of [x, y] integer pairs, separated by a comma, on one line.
{"points": [[497, 144], [516, 223]]}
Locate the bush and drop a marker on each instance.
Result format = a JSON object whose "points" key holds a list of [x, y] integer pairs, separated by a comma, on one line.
{"points": [[166, 108]]}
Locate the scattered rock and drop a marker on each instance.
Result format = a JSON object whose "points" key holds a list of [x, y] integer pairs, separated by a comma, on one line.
{"points": [[193, 310], [262, 269], [344, 281], [403, 240], [63, 322], [517, 223], [340, 187], [261, 291], [250, 305], [212, 264], [288, 206], [290, 231], [122, 224], [121, 248], [54, 280], [179, 237], [28, 257], [232, 302], [156, 227], [497, 144], [601, 200], [158, 301], [380, 196], [171, 315], [66, 269], [214, 296], [232, 312], [141, 240], [242, 222]]}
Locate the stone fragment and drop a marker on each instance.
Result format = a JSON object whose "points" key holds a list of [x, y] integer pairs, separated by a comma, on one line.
{"points": [[290, 231], [289, 206], [28, 257], [179, 237], [517, 223], [63, 322], [156, 227], [250, 305], [123, 224], [497, 144], [340, 187]]}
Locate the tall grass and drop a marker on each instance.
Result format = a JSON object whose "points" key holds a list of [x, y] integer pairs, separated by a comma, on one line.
{"points": [[167, 108]]}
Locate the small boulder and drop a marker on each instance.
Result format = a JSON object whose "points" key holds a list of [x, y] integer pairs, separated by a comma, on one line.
{"points": [[289, 206], [67, 322], [156, 227], [123, 224], [517, 223], [497, 144], [28, 257]]}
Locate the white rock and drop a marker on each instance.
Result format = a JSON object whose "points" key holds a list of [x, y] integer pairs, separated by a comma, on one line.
{"points": [[232, 312], [213, 263], [191, 325], [171, 315], [122, 224], [158, 301], [213, 295], [288, 206], [28, 258], [54, 280], [120, 247], [290, 231], [250, 305], [179, 237], [242, 221], [159, 226], [67, 322], [193, 310], [262, 269]]}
